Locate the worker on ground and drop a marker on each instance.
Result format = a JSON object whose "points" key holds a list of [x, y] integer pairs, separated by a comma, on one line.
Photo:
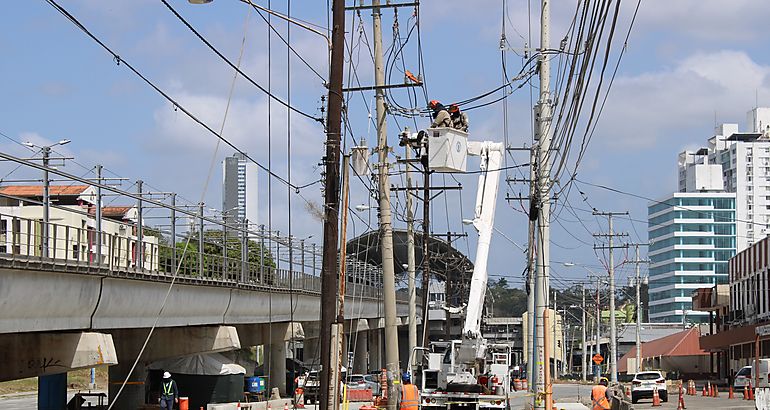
{"points": [[459, 118], [410, 396], [600, 395], [441, 117], [169, 392]]}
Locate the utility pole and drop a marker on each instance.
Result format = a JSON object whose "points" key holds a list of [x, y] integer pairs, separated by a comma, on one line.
{"points": [[425, 240], [598, 371], [386, 229], [410, 267], [543, 135], [531, 272], [613, 359], [555, 322], [140, 227], [637, 262], [329, 272], [584, 364]]}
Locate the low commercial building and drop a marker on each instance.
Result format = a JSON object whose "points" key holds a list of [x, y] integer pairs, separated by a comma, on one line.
{"points": [[678, 355], [734, 327], [505, 330]]}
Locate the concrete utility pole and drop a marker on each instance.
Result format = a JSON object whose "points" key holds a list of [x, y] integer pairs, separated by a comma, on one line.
{"points": [[598, 371], [329, 272], [140, 227], [555, 322], [543, 118], [386, 228], [410, 257], [531, 272], [613, 356], [585, 362], [638, 262]]}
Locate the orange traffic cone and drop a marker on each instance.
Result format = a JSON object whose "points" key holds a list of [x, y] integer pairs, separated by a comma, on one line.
{"points": [[745, 392], [655, 398], [704, 391], [681, 405], [716, 391], [751, 392], [730, 393]]}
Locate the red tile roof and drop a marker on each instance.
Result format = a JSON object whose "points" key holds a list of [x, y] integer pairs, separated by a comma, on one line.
{"points": [[111, 211], [37, 190], [685, 343]]}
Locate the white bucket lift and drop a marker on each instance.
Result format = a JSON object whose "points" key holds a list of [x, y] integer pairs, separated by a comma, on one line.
{"points": [[448, 150]]}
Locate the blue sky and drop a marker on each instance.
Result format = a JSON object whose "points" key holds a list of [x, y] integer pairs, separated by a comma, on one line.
{"points": [[687, 64]]}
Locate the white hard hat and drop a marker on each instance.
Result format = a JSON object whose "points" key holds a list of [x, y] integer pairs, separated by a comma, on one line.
{"points": [[166, 375]]}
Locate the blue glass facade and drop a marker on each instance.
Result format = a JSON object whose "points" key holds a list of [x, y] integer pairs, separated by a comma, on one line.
{"points": [[692, 236]]}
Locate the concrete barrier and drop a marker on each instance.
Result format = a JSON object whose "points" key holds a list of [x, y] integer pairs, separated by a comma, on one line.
{"points": [[260, 405], [360, 395]]}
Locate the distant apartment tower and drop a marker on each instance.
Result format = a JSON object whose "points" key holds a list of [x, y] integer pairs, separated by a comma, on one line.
{"points": [[743, 160], [692, 237], [239, 190]]}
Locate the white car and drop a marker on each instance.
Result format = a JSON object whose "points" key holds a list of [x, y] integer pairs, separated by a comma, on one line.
{"points": [[742, 377], [645, 383]]}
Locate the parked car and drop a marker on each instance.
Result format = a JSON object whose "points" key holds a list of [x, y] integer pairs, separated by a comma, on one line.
{"points": [[644, 384], [373, 381], [742, 377]]}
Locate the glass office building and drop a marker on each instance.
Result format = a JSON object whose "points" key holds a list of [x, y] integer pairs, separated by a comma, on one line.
{"points": [[692, 236]]}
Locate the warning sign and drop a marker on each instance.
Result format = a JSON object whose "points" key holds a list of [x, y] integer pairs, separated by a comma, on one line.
{"points": [[598, 359]]}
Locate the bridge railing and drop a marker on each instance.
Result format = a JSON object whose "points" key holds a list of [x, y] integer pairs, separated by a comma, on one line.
{"points": [[72, 246]]}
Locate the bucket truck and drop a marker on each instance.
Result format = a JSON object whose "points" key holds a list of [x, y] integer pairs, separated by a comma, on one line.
{"points": [[469, 373]]}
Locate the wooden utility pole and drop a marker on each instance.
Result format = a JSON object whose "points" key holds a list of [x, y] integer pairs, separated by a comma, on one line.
{"points": [[329, 271]]}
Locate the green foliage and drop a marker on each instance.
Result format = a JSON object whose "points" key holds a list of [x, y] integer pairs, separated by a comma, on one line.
{"points": [[214, 265], [505, 300]]}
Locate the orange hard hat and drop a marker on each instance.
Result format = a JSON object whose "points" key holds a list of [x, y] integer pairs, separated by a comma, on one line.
{"points": [[454, 108], [433, 103]]}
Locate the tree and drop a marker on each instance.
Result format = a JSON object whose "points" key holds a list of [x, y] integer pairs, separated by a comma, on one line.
{"points": [[504, 300], [260, 260]]}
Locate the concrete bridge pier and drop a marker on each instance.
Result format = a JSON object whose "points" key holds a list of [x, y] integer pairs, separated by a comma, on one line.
{"points": [[359, 341], [165, 343], [376, 346]]}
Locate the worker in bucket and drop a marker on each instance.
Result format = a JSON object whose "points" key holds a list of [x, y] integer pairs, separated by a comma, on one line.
{"points": [[410, 396], [459, 118], [441, 117], [601, 396], [169, 394]]}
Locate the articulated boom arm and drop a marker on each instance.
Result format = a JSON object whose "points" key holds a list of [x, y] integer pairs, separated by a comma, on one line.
{"points": [[491, 154]]}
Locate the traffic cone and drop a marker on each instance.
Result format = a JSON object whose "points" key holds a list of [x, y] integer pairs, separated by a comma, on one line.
{"points": [[745, 392], [751, 392], [716, 391], [704, 391], [730, 393], [655, 398], [681, 405]]}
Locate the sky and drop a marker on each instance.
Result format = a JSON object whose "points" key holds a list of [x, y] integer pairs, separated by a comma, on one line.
{"points": [[687, 66]]}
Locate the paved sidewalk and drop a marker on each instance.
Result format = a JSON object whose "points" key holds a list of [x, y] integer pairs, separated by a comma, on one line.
{"points": [[700, 402]]}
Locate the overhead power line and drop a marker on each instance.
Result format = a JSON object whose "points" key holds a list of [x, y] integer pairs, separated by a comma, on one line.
{"points": [[165, 95]]}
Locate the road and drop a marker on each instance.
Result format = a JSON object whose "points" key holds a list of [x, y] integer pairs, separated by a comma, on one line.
{"points": [[26, 401]]}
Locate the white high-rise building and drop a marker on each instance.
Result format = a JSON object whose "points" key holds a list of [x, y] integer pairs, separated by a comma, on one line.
{"points": [[239, 189], [743, 160]]}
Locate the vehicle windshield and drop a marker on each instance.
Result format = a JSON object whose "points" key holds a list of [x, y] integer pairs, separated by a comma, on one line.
{"points": [[356, 379], [370, 378], [746, 371], [648, 376]]}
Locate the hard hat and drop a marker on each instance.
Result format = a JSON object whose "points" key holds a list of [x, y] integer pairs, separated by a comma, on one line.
{"points": [[433, 103], [166, 375], [604, 381], [454, 108], [406, 377]]}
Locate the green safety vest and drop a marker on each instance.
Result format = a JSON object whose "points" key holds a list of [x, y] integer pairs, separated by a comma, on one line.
{"points": [[167, 389]]}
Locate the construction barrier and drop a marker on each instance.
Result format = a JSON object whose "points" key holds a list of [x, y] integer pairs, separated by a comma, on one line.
{"points": [[517, 384], [299, 398], [360, 395]]}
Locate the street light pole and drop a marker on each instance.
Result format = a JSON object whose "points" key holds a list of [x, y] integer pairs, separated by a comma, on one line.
{"points": [[46, 200]]}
